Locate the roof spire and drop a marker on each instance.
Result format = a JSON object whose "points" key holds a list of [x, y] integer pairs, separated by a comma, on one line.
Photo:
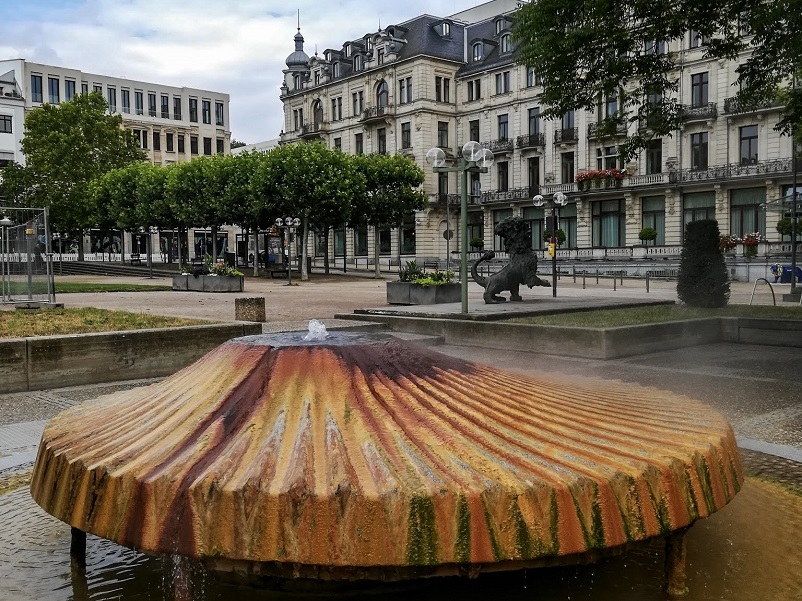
{"points": [[299, 19]]}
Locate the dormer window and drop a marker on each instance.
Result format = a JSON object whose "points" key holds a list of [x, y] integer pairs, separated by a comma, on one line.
{"points": [[336, 69], [499, 26], [446, 29], [296, 81], [478, 51], [380, 56], [358, 63], [369, 44], [317, 77], [506, 43], [348, 50]]}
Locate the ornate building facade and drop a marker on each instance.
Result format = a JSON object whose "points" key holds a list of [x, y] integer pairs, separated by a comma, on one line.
{"points": [[439, 82]]}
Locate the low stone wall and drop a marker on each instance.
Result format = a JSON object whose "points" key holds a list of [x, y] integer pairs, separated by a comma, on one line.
{"points": [[57, 361], [209, 283], [599, 343]]}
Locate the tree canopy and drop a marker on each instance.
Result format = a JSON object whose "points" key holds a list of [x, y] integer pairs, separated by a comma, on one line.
{"points": [[585, 50], [66, 146]]}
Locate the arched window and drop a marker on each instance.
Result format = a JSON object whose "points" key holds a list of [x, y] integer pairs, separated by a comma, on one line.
{"points": [[477, 51], [506, 43], [317, 113], [499, 26], [446, 29], [382, 94]]}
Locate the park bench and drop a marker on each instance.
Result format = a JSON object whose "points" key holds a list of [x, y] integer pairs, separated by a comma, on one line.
{"points": [[135, 258]]}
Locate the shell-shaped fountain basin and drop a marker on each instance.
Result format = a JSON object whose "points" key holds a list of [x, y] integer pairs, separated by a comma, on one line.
{"points": [[361, 453]]}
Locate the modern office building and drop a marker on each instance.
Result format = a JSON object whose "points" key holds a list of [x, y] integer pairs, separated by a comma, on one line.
{"points": [[441, 81], [173, 124]]}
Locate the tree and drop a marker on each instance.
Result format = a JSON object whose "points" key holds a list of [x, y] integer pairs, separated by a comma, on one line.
{"points": [[392, 192], [309, 181], [702, 280], [588, 50], [66, 146], [237, 143]]}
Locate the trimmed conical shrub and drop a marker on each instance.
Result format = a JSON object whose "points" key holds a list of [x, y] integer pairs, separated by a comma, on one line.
{"points": [[702, 280]]}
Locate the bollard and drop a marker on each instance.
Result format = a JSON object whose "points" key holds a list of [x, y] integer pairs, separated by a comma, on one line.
{"points": [[583, 279], [647, 282], [615, 281], [597, 277], [574, 269], [250, 309]]}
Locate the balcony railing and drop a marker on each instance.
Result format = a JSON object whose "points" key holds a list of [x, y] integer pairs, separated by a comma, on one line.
{"points": [[698, 113], [453, 199], [499, 146], [374, 113], [647, 180], [531, 140], [593, 130], [731, 170], [566, 136], [647, 122], [313, 130], [554, 188], [734, 106], [509, 195]]}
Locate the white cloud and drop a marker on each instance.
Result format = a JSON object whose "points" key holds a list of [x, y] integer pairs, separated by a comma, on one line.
{"points": [[237, 47]]}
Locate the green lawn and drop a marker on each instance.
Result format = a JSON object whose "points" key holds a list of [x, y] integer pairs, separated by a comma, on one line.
{"points": [[45, 322], [654, 314], [39, 288]]}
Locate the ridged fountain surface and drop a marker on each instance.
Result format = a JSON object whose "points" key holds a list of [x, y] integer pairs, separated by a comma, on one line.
{"points": [[363, 457]]}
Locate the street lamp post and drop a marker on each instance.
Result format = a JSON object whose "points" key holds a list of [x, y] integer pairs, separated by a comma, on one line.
{"points": [[475, 159], [5, 222], [558, 200], [289, 225]]}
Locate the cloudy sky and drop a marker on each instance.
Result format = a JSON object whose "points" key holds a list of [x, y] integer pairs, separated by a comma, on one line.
{"points": [[234, 46]]}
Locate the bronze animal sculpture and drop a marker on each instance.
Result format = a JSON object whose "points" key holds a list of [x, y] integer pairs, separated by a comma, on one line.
{"points": [[522, 268]]}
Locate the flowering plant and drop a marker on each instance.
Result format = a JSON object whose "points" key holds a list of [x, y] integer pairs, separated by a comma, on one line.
{"points": [[594, 174], [751, 239], [728, 241], [220, 268]]}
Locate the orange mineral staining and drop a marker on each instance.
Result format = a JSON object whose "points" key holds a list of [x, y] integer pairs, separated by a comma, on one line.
{"points": [[364, 452]]}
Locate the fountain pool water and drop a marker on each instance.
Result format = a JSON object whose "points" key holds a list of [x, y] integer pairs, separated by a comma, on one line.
{"points": [[747, 552]]}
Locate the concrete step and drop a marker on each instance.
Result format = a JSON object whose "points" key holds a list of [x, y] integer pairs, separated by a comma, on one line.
{"points": [[421, 339]]}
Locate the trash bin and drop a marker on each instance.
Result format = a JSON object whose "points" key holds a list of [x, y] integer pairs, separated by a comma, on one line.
{"points": [[230, 259]]}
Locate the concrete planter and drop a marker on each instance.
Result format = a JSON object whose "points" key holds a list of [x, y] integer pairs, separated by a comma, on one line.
{"points": [[407, 293], [209, 283]]}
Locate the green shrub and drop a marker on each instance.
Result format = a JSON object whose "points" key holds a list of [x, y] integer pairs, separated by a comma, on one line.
{"points": [[477, 242], [784, 226], [647, 234], [410, 272], [702, 280], [560, 236]]}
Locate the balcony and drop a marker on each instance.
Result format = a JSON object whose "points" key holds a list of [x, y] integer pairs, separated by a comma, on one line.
{"points": [[512, 194], [453, 200], [500, 146], [593, 131], [647, 123], [310, 131], [568, 135], [731, 171], [535, 140], [733, 106], [703, 112], [376, 113]]}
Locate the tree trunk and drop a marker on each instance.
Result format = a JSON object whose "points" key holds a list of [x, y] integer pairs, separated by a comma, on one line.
{"points": [[304, 239], [214, 244], [122, 246], [256, 254], [376, 251], [326, 251], [80, 236]]}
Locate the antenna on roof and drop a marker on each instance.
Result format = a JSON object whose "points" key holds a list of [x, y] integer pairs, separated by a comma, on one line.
{"points": [[299, 19]]}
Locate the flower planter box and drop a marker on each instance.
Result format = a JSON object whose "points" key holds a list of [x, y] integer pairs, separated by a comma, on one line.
{"points": [[406, 293], [209, 283]]}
